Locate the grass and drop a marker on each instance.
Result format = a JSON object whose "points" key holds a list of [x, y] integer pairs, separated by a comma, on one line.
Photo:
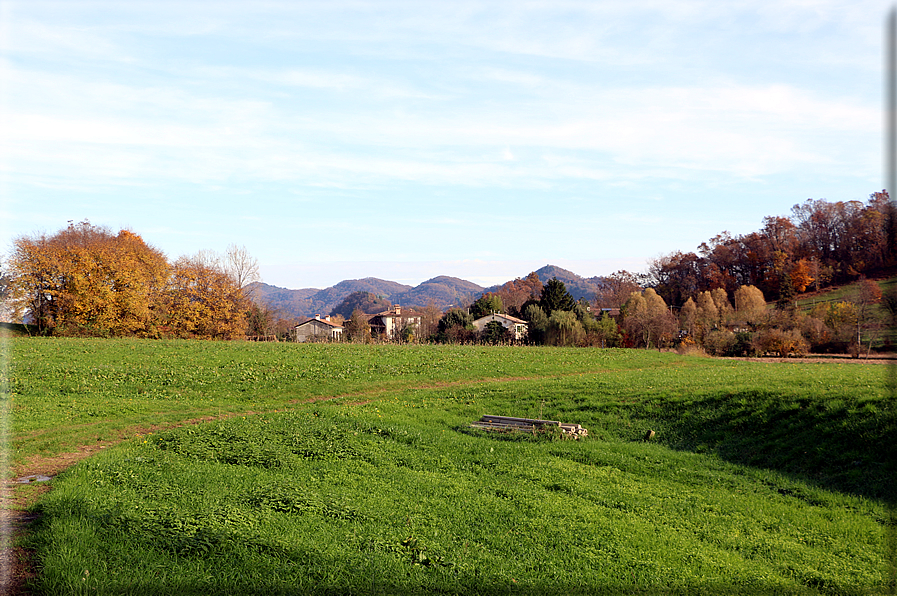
{"points": [[763, 478]]}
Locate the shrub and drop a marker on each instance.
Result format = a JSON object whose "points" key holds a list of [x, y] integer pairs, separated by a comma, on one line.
{"points": [[781, 343], [688, 347], [720, 342]]}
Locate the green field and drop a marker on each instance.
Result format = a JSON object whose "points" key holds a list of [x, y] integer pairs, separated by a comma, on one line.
{"points": [[348, 469]]}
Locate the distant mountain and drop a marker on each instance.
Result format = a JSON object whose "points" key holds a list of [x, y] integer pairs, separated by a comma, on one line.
{"points": [[309, 302], [443, 291], [577, 286], [331, 297]]}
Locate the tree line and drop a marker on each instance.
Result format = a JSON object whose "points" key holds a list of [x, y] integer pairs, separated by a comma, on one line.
{"points": [[89, 280], [821, 244], [86, 279]]}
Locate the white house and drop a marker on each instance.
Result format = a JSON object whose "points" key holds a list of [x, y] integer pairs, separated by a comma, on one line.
{"points": [[388, 324], [517, 326], [318, 329]]}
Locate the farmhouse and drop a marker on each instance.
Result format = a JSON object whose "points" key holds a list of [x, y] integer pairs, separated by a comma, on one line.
{"points": [[517, 326], [392, 323], [318, 329]]}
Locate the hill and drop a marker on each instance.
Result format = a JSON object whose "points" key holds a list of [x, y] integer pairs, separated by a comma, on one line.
{"points": [[443, 291], [577, 286]]}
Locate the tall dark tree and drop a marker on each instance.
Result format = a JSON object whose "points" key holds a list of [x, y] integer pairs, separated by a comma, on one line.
{"points": [[556, 297]]}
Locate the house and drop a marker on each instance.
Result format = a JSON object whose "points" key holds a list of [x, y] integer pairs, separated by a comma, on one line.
{"points": [[318, 329], [613, 313], [390, 324], [517, 326]]}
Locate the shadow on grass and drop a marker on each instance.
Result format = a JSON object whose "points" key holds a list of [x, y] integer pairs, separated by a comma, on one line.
{"points": [[849, 447], [483, 589]]}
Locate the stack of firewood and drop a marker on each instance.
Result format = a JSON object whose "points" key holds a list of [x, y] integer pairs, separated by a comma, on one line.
{"points": [[506, 423]]}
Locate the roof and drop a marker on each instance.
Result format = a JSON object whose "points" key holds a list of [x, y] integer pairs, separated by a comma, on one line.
{"points": [[392, 313], [509, 318], [328, 323]]}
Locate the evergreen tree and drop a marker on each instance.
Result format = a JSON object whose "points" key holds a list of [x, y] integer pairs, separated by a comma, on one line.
{"points": [[556, 297]]}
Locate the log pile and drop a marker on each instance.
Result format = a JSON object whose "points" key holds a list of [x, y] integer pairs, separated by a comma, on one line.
{"points": [[507, 423]]}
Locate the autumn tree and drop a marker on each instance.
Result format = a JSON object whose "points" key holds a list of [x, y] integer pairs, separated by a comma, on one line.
{"points": [[707, 315], [615, 289], [260, 321], [677, 276], [802, 275], [203, 299], [358, 328], [750, 305], [688, 316], [86, 277], [723, 306], [647, 319], [516, 293]]}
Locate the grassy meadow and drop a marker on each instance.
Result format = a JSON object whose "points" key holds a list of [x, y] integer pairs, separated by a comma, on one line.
{"points": [[347, 469]]}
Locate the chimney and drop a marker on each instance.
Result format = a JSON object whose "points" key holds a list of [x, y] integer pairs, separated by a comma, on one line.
{"points": [[398, 310], [317, 317]]}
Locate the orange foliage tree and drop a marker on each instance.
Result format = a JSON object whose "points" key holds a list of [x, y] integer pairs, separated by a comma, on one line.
{"points": [[87, 279], [516, 293], [204, 300]]}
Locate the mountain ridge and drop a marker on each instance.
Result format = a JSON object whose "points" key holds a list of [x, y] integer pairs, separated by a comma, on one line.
{"points": [[443, 291]]}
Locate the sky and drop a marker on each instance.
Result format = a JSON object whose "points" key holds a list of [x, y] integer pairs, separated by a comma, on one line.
{"points": [[406, 140]]}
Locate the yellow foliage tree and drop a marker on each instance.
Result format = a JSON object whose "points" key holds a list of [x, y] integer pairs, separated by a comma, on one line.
{"points": [[647, 319], [750, 305]]}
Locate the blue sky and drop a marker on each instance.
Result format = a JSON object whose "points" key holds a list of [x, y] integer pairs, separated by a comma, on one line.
{"points": [[404, 140]]}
